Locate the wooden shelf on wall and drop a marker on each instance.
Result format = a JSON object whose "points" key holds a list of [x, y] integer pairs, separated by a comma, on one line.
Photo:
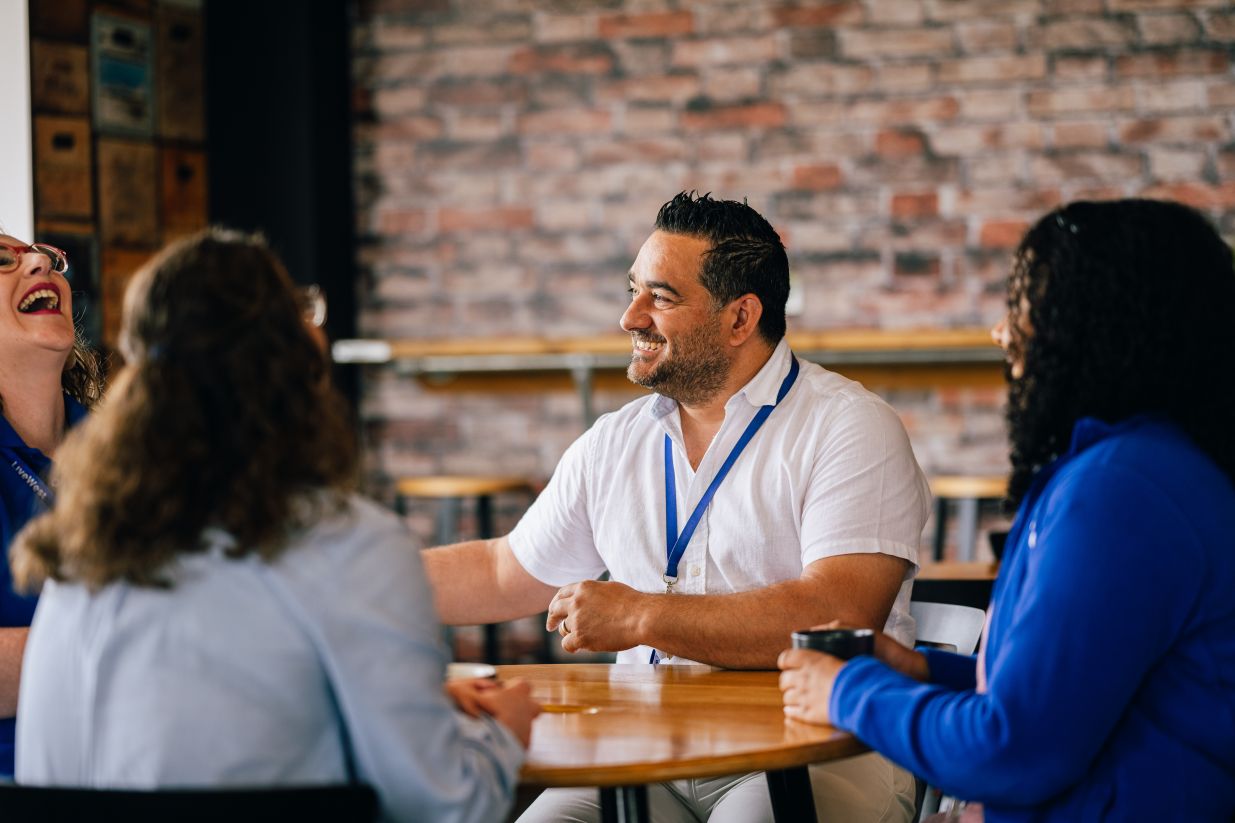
{"points": [[495, 354], [897, 359]]}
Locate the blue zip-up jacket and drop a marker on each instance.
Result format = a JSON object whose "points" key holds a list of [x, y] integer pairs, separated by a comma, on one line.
{"points": [[1110, 654], [18, 504]]}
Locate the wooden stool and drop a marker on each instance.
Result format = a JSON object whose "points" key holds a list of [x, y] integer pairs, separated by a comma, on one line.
{"points": [[450, 490], [969, 492]]}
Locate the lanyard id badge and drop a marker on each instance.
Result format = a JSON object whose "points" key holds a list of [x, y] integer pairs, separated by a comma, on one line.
{"points": [[675, 542]]}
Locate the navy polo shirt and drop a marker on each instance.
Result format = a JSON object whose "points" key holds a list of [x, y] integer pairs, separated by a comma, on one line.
{"points": [[18, 504]]}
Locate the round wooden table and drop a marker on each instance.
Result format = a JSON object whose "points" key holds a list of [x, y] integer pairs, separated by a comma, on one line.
{"points": [[620, 727]]}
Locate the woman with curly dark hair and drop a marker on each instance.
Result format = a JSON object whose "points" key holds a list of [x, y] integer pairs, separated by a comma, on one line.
{"points": [[218, 606], [1106, 686], [48, 378]]}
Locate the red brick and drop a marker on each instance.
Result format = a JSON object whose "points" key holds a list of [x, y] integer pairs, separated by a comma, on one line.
{"points": [[1220, 25], [898, 78], [566, 121], [895, 12], [989, 104], [558, 28], [903, 171], [393, 36], [894, 112], [1002, 234], [1226, 164], [1086, 165], [402, 221], [1073, 67], [405, 128], [1181, 95], [1162, 29], [667, 88], [820, 79], [1081, 100], [1133, 5], [567, 59], [395, 100], [1172, 64], [465, 125], [648, 151], [826, 14], [986, 35], [1198, 195], [1221, 94], [733, 84], [912, 206], [496, 29], [472, 92], [817, 178], [993, 70], [1082, 134], [1176, 164], [997, 169], [1007, 200], [645, 120], [863, 43], [469, 60], [551, 156], [766, 115], [1084, 33], [652, 24], [952, 10], [497, 218], [1174, 130], [966, 140], [900, 143], [721, 51]]}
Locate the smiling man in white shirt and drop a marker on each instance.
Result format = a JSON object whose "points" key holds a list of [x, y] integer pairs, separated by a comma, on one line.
{"points": [[752, 494]]}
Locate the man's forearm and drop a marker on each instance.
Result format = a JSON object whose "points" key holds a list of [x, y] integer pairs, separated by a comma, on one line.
{"points": [[12, 646], [482, 582], [749, 629]]}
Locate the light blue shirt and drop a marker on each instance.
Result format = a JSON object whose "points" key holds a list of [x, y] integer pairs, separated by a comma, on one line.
{"points": [[321, 667]]}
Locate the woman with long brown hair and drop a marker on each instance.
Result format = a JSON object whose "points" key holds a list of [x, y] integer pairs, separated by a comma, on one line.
{"points": [[220, 607], [48, 378]]}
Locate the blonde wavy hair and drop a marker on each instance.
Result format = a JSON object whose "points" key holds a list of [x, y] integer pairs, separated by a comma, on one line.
{"points": [[223, 416]]}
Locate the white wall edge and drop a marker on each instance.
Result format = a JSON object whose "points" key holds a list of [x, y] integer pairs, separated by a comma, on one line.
{"points": [[16, 157]]}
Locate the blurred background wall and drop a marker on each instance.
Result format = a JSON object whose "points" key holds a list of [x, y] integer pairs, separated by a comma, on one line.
{"points": [[510, 157]]}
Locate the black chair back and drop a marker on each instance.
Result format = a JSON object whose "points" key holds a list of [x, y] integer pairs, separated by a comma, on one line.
{"points": [[352, 803]]}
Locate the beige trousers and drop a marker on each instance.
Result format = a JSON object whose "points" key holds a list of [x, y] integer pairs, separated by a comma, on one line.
{"points": [[863, 789]]}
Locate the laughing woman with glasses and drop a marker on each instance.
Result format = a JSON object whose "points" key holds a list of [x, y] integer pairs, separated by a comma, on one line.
{"points": [[220, 607], [47, 379]]}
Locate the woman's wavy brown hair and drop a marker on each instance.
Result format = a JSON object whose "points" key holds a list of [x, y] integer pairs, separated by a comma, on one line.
{"points": [[223, 416]]}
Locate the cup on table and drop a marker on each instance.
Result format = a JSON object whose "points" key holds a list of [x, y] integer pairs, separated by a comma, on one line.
{"points": [[842, 643]]}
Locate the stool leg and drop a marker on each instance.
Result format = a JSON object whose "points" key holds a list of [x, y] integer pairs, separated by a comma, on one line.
{"points": [[941, 526], [448, 520], [967, 514], [484, 528]]}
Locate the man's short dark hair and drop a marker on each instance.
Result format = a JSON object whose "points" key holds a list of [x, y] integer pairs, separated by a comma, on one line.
{"points": [[746, 256]]}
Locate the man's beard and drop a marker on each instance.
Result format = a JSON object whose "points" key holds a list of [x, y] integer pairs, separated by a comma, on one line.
{"points": [[693, 374]]}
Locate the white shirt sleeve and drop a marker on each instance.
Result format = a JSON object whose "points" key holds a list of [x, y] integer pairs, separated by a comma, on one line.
{"points": [[867, 492], [372, 615], [554, 541]]}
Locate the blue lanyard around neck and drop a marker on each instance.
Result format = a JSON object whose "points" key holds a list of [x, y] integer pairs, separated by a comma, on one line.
{"points": [[40, 489], [675, 543]]}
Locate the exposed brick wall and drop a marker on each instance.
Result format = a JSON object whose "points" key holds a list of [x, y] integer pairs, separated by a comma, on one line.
{"points": [[511, 154]]}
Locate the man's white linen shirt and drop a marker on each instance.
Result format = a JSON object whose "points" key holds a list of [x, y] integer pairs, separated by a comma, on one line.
{"points": [[831, 472]]}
